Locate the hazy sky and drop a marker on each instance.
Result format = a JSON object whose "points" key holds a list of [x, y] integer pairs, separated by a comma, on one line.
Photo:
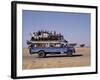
{"points": [[75, 27]]}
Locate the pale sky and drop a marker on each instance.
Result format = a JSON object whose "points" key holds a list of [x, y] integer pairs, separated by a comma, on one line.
{"points": [[75, 27]]}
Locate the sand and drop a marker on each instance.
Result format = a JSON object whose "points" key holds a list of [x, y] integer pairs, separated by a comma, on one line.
{"points": [[79, 59]]}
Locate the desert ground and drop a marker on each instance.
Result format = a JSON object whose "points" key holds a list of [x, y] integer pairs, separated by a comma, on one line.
{"points": [[80, 58]]}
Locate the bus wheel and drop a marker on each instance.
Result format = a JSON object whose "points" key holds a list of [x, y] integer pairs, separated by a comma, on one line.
{"points": [[41, 54], [70, 53]]}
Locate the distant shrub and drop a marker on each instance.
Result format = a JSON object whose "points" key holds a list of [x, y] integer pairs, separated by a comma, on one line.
{"points": [[82, 45]]}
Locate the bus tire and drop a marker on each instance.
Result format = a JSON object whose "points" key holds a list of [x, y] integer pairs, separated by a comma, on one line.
{"points": [[69, 53], [41, 54]]}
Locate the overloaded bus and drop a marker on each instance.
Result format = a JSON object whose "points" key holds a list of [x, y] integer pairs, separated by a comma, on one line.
{"points": [[44, 42]]}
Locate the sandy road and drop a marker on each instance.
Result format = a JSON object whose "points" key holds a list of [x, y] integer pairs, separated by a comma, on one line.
{"points": [[80, 58]]}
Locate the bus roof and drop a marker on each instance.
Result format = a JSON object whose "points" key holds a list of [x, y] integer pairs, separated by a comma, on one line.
{"points": [[45, 41]]}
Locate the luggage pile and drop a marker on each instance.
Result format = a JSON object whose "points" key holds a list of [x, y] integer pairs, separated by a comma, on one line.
{"points": [[46, 36]]}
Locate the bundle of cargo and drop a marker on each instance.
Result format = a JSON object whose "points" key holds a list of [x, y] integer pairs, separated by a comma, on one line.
{"points": [[46, 36]]}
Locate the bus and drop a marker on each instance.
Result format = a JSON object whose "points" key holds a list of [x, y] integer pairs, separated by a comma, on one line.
{"points": [[43, 46]]}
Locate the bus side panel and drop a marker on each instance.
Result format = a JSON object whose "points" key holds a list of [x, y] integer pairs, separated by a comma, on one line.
{"points": [[35, 50], [50, 49], [55, 49]]}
